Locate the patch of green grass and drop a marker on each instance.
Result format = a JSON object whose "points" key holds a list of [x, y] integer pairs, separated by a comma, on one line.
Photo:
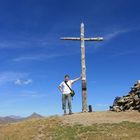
{"points": [[122, 131], [54, 129]]}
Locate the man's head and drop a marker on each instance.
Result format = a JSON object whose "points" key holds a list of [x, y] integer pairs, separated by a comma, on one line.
{"points": [[138, 82], [67, 77]]}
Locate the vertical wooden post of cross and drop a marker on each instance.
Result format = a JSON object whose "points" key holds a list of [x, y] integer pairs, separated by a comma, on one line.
{"points": [[83, 65]]}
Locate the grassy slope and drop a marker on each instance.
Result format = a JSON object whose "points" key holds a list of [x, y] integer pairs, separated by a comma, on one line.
{"points": [[54, 129]]}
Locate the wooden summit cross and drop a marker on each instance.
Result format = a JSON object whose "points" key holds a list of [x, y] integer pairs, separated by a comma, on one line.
{"points": [[82, 39]]}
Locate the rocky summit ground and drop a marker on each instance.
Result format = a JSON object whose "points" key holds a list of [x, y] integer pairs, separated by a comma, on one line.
{"points": [[102, 117], [79, 126]]}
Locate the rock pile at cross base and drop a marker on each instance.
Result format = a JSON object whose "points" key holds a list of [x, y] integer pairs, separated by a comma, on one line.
{"points": [[129, 102]]}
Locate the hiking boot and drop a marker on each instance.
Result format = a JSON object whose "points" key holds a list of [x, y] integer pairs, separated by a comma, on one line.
{"points": [[70, 112], [65, 113]]}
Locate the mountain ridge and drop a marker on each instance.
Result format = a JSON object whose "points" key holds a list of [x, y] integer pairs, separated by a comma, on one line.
{"points": [[14, 118]]}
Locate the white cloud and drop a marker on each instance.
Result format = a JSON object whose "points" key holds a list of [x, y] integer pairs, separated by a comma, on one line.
{"points": [[23, 82], [27, 82], [18, 82], [25, 58], [22, 43], [41, 57], [115, 33], [33, 94], [6, 77], [108, 36], [36, 57], [127, 52], [13, 44]]}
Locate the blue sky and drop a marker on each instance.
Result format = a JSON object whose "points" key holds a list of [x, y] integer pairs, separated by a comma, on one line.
{"points": [[34, 60]]}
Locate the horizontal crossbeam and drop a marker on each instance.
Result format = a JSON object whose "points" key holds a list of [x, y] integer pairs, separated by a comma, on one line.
{"points": [[86, 39], [70, 38], [94, 39]]}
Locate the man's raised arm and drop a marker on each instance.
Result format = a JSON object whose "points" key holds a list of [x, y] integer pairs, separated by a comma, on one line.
{"points": [[76, 79]]}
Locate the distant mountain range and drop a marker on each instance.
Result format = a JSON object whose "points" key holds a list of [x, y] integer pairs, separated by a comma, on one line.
{"points": [[13, 118]]}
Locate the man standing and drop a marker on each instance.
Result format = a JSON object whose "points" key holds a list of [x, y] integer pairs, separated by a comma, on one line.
{"points": [[65, 89]]}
